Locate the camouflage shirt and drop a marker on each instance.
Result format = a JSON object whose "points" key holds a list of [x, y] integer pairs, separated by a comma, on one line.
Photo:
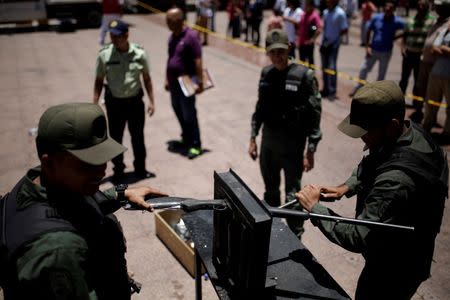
{"points": [[54, 265]]}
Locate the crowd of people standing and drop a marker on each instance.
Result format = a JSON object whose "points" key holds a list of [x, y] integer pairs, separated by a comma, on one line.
{"points": [[422, 38]]}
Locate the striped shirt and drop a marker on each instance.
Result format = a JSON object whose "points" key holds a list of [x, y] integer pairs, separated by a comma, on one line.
{"points": [[416, 31]]}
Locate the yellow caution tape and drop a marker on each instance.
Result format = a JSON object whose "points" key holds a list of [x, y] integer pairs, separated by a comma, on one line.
{"points": [[304, 63]]}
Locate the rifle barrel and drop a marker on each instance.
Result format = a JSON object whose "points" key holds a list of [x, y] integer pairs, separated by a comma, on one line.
{"points": [[283, 213]]}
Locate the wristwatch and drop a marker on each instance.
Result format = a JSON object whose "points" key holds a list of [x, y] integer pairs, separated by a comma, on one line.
{"points": [[120, 190]]}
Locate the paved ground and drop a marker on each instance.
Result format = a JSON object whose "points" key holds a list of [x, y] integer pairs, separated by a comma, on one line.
{"points": [[45, 68]]}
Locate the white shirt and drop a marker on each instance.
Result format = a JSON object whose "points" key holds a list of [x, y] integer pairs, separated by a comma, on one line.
{"points": [[204, 8], [290, 27], [442, 65]]}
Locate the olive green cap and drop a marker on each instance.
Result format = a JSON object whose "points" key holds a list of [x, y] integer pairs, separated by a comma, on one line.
{"points": [[372, 106], [276, 39], [80, 129]]}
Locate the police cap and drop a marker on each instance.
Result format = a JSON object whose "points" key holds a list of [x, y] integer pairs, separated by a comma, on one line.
{"points": [[117, 27]]}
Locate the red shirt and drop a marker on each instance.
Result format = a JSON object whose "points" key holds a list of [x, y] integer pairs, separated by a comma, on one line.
{"points": [[367, 9], [111, 7], [304, 28]]}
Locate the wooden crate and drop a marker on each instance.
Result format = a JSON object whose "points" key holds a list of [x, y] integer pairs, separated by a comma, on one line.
{"points": [[179, 248]]}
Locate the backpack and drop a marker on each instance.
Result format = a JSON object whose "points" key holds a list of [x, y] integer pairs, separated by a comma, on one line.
{"points": [[14, 235], [12, 240]]}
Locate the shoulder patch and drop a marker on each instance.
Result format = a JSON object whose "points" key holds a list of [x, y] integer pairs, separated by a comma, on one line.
{"points": [[104, 47], [137, 46], [266, 70]]}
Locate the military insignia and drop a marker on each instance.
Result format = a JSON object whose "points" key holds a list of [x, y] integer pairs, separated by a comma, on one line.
{"points": [[113, 24], [61, 284], [291, 87], [99, 128], [275, 37]]}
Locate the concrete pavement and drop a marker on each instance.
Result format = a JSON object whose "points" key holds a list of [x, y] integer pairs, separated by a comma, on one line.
{"points": [[45, 68]]}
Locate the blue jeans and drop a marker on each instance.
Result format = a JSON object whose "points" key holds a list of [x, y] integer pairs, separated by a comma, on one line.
{"points": [[186, 113], [369, 62], [364, 28], [329, 61]]}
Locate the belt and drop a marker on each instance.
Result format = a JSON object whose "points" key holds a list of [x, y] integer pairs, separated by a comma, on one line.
{"points": [[109, 95]]}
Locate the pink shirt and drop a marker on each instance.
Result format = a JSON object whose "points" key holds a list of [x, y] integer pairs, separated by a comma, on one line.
{"points": [[304, 28]]}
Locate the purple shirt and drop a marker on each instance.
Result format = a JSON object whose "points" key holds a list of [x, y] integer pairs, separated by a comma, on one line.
{"points": [[183, 50]]}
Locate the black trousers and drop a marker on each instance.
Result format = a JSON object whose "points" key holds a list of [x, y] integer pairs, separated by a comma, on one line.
{"points": [[281, 151], [411, 62], [186, 113], [129, 111], [306, 53], [252, 30]]}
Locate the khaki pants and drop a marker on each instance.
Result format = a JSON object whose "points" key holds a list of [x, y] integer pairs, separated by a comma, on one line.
{"points": [[437, 89]]}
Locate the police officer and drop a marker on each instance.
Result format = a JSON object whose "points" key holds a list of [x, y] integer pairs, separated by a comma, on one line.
{"points": [[289, 106], [403, 180], [62, 240], [122, 63]]}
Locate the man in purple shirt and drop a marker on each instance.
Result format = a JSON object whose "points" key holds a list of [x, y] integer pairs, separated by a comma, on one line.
{"points": [[185, 58]]}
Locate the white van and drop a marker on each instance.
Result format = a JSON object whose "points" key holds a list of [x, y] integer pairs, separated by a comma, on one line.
{"points": [[86, 12]]}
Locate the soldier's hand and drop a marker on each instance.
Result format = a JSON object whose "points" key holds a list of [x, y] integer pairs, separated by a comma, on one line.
{"points": [[308, 196], [334, 192], [137, 196], [151, 109], [253, 149], [308, 161]]}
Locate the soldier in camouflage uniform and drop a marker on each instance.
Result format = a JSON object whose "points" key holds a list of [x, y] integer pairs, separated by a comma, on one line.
{"points": [[58, 236], [289, 107], [403, 180]]}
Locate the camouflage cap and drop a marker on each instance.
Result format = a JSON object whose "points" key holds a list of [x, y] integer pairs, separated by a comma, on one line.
{"points": [[117, 27], [80, 129], [276, 39], [373, 105]]}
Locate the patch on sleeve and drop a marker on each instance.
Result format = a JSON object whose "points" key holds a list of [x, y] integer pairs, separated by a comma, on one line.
{"points": [[61, 284]]}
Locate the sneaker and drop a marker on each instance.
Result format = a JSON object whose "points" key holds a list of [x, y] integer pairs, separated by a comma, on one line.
{"points": [[193, 152], [144, 174]]}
